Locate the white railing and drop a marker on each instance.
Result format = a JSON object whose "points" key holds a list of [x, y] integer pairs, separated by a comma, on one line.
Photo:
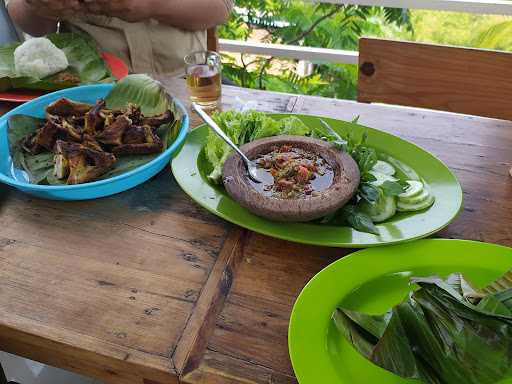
{"points": [[491, 7]]}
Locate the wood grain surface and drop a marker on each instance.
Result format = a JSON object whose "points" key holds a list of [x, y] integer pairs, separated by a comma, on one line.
{"points": [[147, 287], [464, 80]]}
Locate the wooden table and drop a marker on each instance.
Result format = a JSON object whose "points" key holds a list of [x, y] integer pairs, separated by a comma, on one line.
{"points": [[147, 287]]}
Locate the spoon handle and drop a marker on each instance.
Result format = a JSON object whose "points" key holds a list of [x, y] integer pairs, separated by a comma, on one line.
{"points": [[213, 125]]}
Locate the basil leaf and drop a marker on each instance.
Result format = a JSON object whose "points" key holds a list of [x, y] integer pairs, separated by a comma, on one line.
{"points": [[369, 192], [359, 220], [392, 188]]}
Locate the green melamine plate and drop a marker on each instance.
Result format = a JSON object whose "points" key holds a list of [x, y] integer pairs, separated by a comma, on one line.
{"points": [[190, 169], [374, 280]]}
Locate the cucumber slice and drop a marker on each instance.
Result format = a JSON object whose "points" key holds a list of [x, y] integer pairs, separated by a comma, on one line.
{"points": [[381, 178], [384, 168], [382, 210], [405, 207], [414, 189], [416, 199]]}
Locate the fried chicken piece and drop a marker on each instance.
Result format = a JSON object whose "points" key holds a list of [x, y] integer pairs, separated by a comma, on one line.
{"points": [[67, 108], [80, 163], [156, 121], [134, 113], [139, 141], [94, 121], [90, 142], [113, 134], [136, 134], [54, 129]]}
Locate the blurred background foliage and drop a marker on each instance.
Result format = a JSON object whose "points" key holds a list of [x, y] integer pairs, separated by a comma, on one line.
{"points": [[335, 26]]}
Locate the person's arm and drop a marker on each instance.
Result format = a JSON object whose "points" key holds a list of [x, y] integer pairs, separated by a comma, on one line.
{"points": [[28, 19], [193, 15], [40, 17]]}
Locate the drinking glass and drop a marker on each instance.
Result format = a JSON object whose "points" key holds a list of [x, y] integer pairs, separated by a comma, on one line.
{"points": [[203, 69]]}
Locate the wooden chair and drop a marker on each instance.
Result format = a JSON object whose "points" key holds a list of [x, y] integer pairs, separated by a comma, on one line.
{"points": [[471, 81]]}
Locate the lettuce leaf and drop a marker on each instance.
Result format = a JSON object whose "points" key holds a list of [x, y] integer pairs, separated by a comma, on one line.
{"points": [[242, 128]]}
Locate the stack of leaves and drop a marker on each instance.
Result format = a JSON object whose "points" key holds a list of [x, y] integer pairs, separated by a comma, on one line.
{"points": [[86, 65], [445, 332], [79, 142]]}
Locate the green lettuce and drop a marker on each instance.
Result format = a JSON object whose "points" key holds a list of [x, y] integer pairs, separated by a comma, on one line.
{"points": [[242, 128]]}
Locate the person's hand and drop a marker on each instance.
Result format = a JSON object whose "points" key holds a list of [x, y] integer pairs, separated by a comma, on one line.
{"points": [[128, 10], [54, 9]]}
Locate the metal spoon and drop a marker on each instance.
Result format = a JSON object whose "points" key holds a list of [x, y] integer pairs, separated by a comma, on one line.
{"points": [[252, 168]]}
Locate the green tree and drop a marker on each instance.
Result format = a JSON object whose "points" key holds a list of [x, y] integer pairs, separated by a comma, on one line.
{"points": [[295, 22]]}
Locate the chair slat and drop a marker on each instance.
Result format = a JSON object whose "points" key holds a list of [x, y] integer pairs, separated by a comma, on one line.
{"points": [[463, 80]]}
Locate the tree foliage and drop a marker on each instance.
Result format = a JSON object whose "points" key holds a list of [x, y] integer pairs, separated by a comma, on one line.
{"points": [[294, 22]]}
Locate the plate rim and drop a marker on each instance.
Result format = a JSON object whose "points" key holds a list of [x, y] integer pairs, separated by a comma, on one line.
{"points": [[180, 138], [203, 202], [348, 259]]}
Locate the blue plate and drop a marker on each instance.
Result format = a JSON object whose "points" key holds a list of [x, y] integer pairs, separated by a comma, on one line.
{"points": [[87, 94]]}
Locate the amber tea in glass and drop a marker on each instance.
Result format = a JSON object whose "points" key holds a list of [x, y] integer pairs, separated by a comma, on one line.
{"points": [[203, 71]]}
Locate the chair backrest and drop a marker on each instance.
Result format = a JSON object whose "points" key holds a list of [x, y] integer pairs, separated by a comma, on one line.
{"points": [[8, 32], [464, 80], [212, 40]]}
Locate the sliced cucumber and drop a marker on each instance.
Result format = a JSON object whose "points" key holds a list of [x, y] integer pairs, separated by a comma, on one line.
{"points": [[382, 210], [381, 178], [416, 199], [414, 189], [407, 207], [384, 168]]}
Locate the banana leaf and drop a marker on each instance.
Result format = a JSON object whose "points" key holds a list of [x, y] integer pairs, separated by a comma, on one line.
{"points": [[136, 89], [84, 58], [445, 332]]}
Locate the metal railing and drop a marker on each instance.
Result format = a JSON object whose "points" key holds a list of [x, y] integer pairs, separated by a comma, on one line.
{"points": [[490, 7]]}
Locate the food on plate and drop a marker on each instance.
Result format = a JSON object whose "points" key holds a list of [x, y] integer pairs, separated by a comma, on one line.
{"points": [[303, 178], [446, 331], [57, 61], [387, 186], [78, 142], [39, 58], [295, 173], [86, 139]]}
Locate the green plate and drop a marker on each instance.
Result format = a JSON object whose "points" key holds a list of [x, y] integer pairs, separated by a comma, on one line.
{"points": [[189, 168], [372, 281]]}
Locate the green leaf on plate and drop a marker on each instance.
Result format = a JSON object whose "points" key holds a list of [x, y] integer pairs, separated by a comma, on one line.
{"points": [[84, 58], [437, 334], [392, 188]]}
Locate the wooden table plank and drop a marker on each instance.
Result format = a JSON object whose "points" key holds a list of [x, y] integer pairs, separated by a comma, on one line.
{"points": [[249, 343], [107, 287], [146, 286]]}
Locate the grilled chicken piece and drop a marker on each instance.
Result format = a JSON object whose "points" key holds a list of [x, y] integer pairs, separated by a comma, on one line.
{"points": [[134, 113], [94, 121], [139, 141], [136, 134], [54, 129], [90, 142], [157, 121], [113, 134], [80, 163], [67, 108], [30, 145]]}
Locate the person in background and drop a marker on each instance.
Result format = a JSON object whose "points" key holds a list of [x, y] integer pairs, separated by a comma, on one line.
{"points": [[151, 36]]}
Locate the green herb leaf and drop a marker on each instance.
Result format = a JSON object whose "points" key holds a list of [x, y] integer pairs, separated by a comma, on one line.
{"points": [[359, 220], [369, 192], [392, 188]]}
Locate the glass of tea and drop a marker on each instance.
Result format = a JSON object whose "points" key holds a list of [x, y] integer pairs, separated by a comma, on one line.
{"points": [[203, 71]]}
